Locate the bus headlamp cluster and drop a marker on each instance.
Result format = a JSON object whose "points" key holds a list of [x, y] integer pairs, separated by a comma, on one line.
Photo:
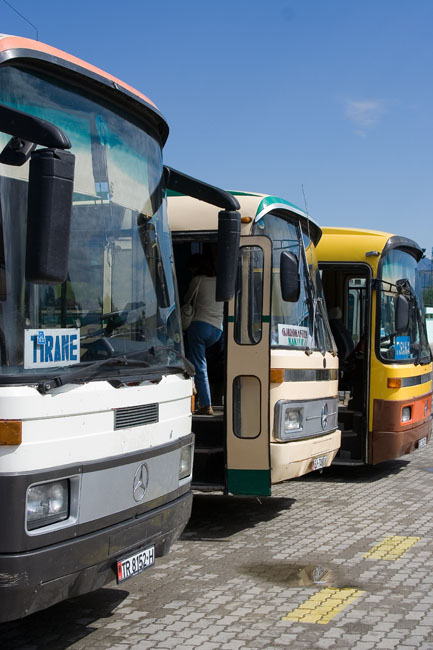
{"points": [[185, 466], [406, 414], [290, 420], [47, 504]]}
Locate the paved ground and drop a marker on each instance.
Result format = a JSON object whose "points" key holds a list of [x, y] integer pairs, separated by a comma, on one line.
{"points": [[338, 560]]}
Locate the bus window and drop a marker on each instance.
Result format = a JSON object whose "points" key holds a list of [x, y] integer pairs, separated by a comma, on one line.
{"points": [[356, 308], [246, 406], [400, 276], [249, 296]]}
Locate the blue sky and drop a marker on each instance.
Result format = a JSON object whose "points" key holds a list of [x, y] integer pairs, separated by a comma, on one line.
{"points": [[335, 96]]}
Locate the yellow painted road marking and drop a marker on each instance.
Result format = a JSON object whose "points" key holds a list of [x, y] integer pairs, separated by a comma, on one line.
{"points": [[391, 548], [322, 606]]}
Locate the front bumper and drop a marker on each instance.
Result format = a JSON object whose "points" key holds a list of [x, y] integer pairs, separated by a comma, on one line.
{"points": [[34, 580]]}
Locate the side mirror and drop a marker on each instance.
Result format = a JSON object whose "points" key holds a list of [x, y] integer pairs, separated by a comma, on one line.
{"points": [[401, 314], [229, 232], [51, 181], [290, 280]]}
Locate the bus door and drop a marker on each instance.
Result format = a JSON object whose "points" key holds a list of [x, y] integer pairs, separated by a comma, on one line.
{"points": [[348, 299], [247, 372]]}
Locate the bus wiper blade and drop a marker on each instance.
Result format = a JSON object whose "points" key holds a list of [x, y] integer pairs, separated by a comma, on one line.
{"points": [[188, 365], [70, 376]]}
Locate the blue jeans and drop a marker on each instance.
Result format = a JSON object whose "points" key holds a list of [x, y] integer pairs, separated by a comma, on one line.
{"points": [[201, 335]]}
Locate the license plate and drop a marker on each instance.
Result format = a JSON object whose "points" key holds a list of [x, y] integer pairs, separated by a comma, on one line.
{"points": [[422, 442], [135, 564], [319, 462]]}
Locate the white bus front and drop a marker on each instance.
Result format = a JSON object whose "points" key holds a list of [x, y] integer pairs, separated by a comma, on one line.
{"points": [[95, 395]]}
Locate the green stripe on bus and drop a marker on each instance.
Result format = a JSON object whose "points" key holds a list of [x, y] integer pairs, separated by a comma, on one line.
{"points": [[270, 200], [249, 481]]}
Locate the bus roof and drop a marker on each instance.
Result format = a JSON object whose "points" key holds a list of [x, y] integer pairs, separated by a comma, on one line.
{"points": [[361, 245], [186, 214], [21, 50]]}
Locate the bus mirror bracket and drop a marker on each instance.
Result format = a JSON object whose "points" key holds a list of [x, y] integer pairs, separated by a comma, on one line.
{"points": [[49, 212], [401, 314], [229, 232], [290, 280]]}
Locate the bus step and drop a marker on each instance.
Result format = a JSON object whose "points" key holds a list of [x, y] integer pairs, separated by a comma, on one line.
{"points": [[208, 487], [206, 418]]}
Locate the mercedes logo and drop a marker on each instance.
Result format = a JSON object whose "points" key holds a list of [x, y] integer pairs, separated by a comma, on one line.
{"points": [[141, 480], [324, 416]]}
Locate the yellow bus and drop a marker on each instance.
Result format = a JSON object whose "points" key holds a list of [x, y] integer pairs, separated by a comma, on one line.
{"points": [[274, 378], [374, 300]]}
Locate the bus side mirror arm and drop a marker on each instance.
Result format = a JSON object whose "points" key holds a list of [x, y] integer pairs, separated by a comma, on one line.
{"points": [[290, 279], [229, 225], [50, 191]]}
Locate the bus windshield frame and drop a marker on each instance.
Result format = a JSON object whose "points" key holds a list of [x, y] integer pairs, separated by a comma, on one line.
{"points": [[300, 325], [120, 297], [398, 274]]}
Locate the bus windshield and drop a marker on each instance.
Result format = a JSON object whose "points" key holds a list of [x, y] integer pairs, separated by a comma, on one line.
{"points": [[399, 275], [119, 297], [302, 324]]}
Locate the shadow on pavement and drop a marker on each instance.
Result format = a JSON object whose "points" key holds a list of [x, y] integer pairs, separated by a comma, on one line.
{"points": [[357, 474], [217, 517], [62, 625]]}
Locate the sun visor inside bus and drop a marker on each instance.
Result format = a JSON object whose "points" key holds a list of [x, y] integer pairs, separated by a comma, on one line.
{"points": [[49, 212]]}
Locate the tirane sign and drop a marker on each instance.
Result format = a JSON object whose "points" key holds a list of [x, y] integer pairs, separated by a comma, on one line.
{"points": [[51, 348]]}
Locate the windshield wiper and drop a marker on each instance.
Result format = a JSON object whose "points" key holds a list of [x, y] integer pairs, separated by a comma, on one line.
{"points": [[72, 375], [189, 367]]}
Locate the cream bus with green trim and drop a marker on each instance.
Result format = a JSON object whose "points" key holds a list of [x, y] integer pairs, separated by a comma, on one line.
{"points": [[274, 378]]}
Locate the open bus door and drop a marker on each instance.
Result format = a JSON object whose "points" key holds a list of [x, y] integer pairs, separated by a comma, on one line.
{"points": [[248, 468]]}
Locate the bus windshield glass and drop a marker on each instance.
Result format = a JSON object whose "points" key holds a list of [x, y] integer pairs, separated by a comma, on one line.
{"points": [[399, 276], [298, 324], [119, 298]]}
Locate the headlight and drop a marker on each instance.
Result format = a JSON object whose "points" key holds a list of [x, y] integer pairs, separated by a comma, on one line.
{"points": [[288, 421], [47, 504], [185, 466], [292, 420], [406, 414]]}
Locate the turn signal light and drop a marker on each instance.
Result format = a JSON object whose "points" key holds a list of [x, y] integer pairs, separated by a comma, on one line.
{"points": [[394, 382], [276, 375], [246, 219], [10, 432]]}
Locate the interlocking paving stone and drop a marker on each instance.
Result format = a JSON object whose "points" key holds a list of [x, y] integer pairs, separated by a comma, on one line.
{"points": [[243, 565]]}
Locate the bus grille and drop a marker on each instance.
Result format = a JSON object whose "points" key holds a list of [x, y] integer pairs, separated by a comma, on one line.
{"points": [[136, 416]]}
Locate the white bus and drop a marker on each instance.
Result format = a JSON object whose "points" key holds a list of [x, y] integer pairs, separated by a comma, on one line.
{"points": [[95, 393]]}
